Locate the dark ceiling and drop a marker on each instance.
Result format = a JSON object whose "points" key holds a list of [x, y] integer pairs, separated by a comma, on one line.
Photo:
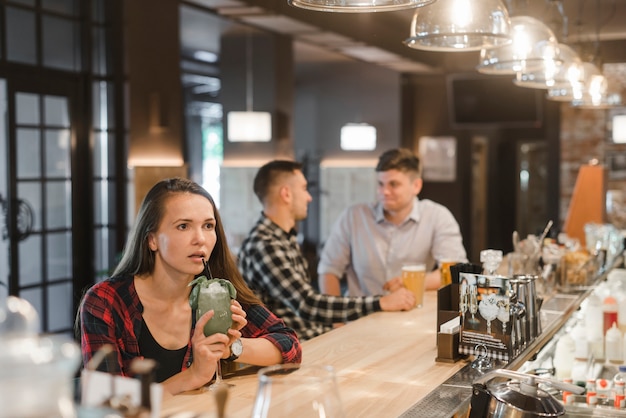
{"points": [[596, 29]]}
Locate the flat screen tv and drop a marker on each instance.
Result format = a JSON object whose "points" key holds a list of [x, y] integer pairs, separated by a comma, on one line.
{"points": [[477, 100]]}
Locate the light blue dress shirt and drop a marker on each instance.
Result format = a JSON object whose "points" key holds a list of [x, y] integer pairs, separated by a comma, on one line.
{"points": [[371, 250]]}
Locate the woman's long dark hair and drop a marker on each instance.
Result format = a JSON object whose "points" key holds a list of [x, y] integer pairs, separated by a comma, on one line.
{"points": [[138, 259]]}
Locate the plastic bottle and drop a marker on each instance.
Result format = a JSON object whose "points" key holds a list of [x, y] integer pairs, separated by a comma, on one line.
{"points": [[620, 376], [579, 335], [613, 345], [594, 324], [591, 394], [609, 312], [618, 395], [604, 388], [567, 395], [564, 356], [619, 380]]}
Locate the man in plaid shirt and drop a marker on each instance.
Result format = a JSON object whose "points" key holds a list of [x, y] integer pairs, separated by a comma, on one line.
{"points": [[272, 263]]}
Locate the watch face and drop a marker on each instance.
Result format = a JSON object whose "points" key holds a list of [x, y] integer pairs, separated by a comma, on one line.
{"points": [[237, 347]]}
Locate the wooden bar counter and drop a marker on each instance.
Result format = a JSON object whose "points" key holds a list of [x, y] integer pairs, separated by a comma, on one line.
{"points": [[384, 363]]}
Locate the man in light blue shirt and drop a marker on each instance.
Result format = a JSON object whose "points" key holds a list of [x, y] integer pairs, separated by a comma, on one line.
{"points": [[369, 243]]}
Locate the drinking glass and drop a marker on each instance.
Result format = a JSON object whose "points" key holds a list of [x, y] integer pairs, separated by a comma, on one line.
{"points": [[291, 390], [219, 302], [414, 279], [444, 268]]}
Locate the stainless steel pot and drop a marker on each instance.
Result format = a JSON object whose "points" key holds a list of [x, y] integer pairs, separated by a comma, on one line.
{"points": [[519, 398]]}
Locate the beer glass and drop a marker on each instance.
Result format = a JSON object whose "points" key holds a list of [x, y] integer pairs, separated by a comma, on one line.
{"points": [[444, 269], [414, 279]]}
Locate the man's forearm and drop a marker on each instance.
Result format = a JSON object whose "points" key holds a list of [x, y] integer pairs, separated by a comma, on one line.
{"points": [[329, 284]]}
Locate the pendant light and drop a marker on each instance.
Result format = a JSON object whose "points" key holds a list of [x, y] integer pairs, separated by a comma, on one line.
{"points": [[358, 6], [562, 72], [460, 25], [594, 92], [595, 95], [532, 43], [575, 89], [248, 125]]}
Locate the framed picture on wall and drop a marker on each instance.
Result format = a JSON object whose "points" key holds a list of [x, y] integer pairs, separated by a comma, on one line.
{"points": [[438, 158], [616, 126], [616, 165]]}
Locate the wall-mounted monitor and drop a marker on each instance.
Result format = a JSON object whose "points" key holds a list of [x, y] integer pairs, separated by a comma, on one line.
{"points": [[492, 101]]}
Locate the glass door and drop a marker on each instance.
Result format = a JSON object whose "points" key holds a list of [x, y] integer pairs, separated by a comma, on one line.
{"points": [[47, 204]]}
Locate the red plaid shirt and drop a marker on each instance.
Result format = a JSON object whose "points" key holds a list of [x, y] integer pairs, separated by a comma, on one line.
{"points": [[111, 314]]}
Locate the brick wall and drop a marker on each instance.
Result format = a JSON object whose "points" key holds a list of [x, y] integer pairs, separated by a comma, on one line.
{"points": [[585, 135]]}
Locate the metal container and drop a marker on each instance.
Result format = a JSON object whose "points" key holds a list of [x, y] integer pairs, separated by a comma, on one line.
{"points": [[525, 289], [519, 398]]}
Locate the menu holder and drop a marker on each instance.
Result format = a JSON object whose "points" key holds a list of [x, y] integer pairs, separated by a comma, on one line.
{"points": [[447, 309], [485, 315]]}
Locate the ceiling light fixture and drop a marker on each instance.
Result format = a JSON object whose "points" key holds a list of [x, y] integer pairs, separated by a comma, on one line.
{"points": [[532, 44], [358, 137], [562, 72], [573, 90], [595, 95], [460, 25], [358, 6], [249, 126]]}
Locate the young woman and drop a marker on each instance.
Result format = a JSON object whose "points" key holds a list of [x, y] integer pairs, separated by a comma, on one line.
{"points": [[143, 309]]}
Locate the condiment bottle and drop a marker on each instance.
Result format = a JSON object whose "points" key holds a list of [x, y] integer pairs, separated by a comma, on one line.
{"points": [[567, 394], [609, 311], [619, 380], [579, 335], [618, 395], [613, 345], [594, 324], [564, 356], [594, 317], [592, 396], [603, 388]]}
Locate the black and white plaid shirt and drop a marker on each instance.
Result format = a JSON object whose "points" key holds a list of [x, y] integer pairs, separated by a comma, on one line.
{"points": [[272, 264]]}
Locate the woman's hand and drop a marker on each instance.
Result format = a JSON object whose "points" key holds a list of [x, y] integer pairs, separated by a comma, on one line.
{"points": [[239, 321], [206, 351]]}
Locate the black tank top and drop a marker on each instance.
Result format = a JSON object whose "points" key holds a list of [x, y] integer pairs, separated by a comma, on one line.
{"points": [[169, 362]]}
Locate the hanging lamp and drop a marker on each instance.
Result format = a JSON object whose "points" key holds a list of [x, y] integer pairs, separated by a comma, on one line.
{"points": [[460, 25], [595, 94], [532, 43], [248, 125], [358, 6], [559, 73], [574, 90]]}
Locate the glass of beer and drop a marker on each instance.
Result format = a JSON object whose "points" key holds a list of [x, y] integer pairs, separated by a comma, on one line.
{"points": [[414, 279], [444, 269]]}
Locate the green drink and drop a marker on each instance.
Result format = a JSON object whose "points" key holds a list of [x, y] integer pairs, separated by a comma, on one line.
{"points": [[215, 297], [214, 294]]}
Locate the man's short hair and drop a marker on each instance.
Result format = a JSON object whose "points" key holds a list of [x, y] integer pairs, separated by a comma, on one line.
{"points": [[269, 174], [401, 159]]}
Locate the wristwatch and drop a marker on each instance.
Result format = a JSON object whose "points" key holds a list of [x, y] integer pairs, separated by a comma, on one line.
{"points": [[236, 348]]}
